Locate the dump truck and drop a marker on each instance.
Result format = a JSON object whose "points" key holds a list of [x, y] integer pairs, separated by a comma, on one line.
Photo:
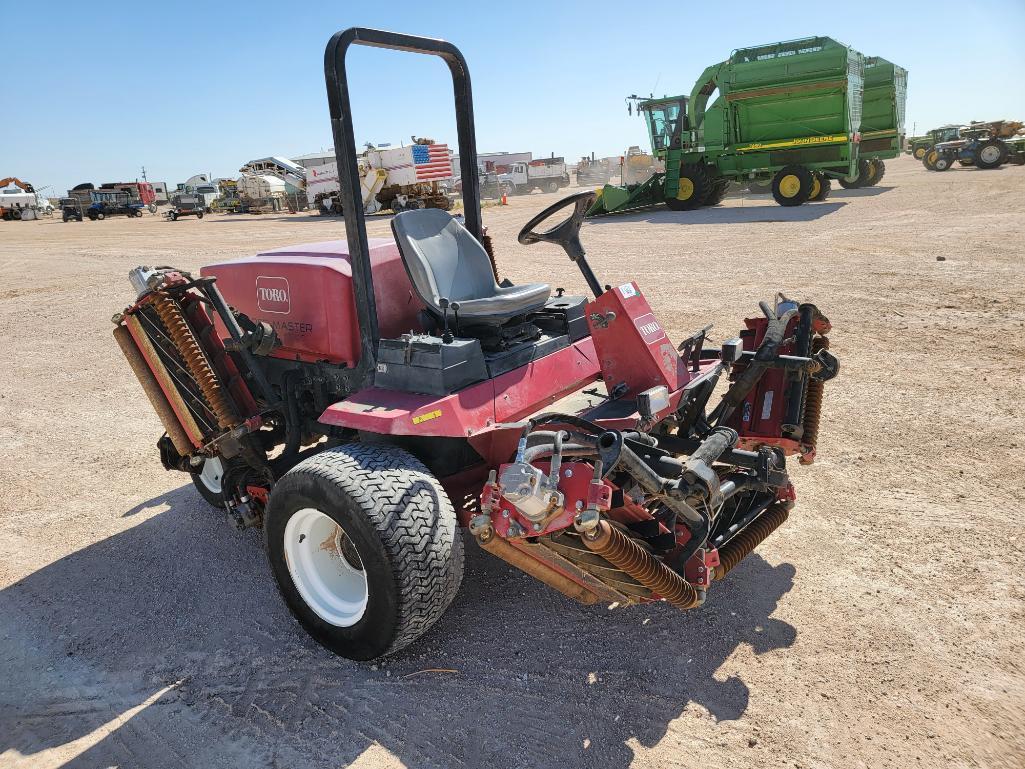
{"points": [[786, 112], [882, 120], [545, 174]]}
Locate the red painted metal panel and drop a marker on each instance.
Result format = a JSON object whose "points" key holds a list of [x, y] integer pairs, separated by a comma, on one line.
{"points": [[390, 412], [632, 346], [474, 409], [305, 293], [542, 382]]}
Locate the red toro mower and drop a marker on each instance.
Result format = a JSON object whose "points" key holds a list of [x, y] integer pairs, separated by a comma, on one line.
{"points": [[361, 399]]}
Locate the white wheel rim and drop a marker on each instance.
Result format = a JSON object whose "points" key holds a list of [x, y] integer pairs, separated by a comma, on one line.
{"points": [[211, 474], [329, 584], [990, 154]]}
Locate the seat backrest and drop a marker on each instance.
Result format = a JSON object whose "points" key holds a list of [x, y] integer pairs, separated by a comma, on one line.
{"points": [[442, 258]]}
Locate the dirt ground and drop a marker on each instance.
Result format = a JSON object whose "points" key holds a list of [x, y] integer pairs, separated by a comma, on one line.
{"points": [[882, 626]]}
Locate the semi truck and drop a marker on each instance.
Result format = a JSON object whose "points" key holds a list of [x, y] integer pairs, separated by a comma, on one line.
{"points": [[787, 113], [546, 174]]}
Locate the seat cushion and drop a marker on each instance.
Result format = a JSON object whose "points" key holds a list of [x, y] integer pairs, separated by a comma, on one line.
{"points": [[508, 301], [445, 261]]}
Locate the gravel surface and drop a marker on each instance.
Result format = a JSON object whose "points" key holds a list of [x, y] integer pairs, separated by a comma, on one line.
{"points": [[882, 626]]}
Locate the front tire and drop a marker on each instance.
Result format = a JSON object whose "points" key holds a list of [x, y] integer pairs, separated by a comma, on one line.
{"points": [[919, 152], [694, 189], [720, 187], [371, 509], [208, 482], [942, 162], [863, 179]]}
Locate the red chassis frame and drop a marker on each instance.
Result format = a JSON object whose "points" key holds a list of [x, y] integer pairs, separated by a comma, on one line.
{"points": [[627, 348]]}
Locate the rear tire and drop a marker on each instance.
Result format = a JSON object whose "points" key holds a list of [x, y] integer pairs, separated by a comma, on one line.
{"points": [[878, 171], [396, 518], [992, 153], [825, 185], [553, 186], [694, 189], [863, 178], [792, 185]]}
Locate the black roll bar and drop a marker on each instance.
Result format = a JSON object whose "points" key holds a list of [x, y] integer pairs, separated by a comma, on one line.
{"points": [[348, 166]]}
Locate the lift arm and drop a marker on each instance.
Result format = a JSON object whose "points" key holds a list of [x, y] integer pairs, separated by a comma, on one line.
{"points": [[17, 183]]}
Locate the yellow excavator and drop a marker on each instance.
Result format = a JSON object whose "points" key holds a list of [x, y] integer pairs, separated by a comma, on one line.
{"points": [[8, 212]]}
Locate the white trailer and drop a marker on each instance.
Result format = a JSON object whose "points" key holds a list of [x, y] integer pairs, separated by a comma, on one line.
{"points": [[260, 186], [398, 178], [548, 175]]}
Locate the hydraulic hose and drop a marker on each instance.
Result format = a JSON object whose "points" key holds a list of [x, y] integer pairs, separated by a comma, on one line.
{"points": [[715, 445]]}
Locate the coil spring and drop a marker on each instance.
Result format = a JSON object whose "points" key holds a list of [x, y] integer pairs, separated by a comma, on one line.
{"points": [[178, 329], [813, 405], [490, 249], [737, 549], [619, 550]]}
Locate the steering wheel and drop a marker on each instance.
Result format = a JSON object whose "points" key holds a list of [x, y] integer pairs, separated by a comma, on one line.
{"points": [[566, 234]]}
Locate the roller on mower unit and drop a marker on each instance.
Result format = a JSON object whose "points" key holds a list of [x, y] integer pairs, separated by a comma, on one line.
{"points": [[361, 399]]}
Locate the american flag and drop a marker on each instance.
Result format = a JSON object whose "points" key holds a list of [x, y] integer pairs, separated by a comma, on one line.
{"points": [[432, 162]]}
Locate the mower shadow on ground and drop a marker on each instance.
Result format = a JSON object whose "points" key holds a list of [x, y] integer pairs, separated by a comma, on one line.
{"points": [[167, 646], [863, 192], [754, 210]]}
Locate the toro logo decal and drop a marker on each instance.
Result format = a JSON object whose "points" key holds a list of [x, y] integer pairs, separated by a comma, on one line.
{"points": [[650, 329], [272, 295]]}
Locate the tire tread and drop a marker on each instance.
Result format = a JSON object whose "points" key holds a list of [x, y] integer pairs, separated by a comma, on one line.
{"points": [[425, 547]]}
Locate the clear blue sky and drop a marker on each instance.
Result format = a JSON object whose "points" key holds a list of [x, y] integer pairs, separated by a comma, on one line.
{"points": [[185, 88]]}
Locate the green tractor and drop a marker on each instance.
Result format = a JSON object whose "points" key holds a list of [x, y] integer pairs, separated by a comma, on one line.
{"points": [[786, 115], [919, 146], [985, 145]]}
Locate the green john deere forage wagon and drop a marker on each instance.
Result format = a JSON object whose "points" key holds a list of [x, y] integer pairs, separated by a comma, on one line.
{"points": [[786, 113], [882, 119]]}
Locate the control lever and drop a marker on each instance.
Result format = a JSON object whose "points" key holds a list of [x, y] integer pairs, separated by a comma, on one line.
{"points": [[446, 335]]}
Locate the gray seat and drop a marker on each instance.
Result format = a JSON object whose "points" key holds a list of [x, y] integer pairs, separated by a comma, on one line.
{"points": [[445, 261]]}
